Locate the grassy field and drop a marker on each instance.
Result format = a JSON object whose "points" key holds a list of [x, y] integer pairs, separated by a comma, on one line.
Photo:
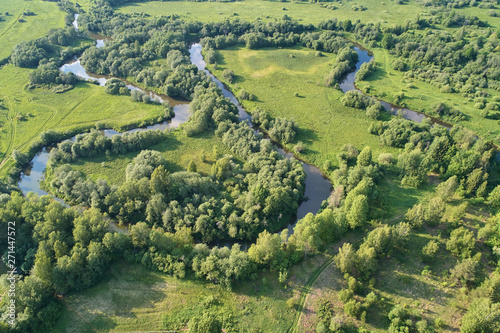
{"points": [[43, 110], [133, 298], [275, 75], [12, 32], [178, 149], [385, 82], [252, 9]]}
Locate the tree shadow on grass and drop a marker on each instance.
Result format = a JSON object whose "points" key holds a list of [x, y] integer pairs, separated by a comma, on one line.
{"points": [[378, 74], [306, 135], [238, 79]]}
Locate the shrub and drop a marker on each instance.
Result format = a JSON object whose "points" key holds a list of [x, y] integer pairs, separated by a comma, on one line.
{"points": [[356, 99], [429, 251], [466, 270], [345, 295], [353, 308], [399, 65], [228, 75], [461, 242], [373, 111], [385, 159]]}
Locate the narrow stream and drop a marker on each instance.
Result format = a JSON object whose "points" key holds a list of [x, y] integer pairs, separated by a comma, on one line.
{"points": [[349, 83]]}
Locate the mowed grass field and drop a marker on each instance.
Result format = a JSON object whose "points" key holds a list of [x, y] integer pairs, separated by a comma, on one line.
{"points": [[376, 11], [12, 32], [42, 109], [178, 150], [275, 75]]}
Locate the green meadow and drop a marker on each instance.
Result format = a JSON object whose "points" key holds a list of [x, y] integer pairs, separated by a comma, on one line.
{"points": [[250, 10], [27, 113], [178, 150], [275, 75], [12, 31], [133, 298], [384, 83]]}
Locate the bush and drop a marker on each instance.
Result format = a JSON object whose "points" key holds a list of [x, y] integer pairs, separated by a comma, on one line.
{"points": [[353, 308], [373, 111], [466, 271], [494, 198], [461, 242], [429, 251], [365, 70], [228, 75], [292, 302], [356, 99], [385, 159], [399, 65], [116, 87], [345, 295], [482, 316]]}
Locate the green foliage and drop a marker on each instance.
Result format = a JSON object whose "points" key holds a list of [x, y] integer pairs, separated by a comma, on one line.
{"points": [[205, 323], [144, 164], [365, 70], [337, 324], [447, 189], [399, 65], [191, 166], [266, 248], [494, 197], [466, 271], [429, 251], [346, 258], [356, 99], [354, 285], [366, 260], [365, 157], [228, 75], [482, 316], [345, 295], [353, 308], [358, 212], [399, 320], [324, 311], [414, 167], [116, 87], [461, 242]]}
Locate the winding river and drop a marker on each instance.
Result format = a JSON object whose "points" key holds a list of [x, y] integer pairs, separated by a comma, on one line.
{"points": [[317, 186], [349, 83]]}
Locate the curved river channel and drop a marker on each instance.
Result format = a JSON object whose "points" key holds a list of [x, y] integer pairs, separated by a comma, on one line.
{"points": [[349, 84], [317, 187]]}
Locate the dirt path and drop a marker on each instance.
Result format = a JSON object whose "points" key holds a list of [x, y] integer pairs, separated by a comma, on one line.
{"points": [[305, 293]]}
